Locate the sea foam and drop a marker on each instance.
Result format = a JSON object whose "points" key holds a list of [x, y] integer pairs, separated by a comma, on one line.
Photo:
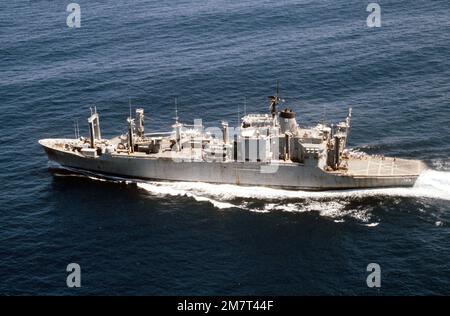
{"points": [[431, 184]]}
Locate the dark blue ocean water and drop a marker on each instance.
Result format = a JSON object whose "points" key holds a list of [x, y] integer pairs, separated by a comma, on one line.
{"points": [[178, 238]]}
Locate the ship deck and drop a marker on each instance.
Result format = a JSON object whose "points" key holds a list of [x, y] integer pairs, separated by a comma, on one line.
{"points": [[364, 166], [383, 166]]}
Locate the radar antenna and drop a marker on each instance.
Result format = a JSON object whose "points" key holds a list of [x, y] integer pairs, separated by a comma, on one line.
{"points": [[274, 100]]}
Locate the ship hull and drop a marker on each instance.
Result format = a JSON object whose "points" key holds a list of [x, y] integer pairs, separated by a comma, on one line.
{"points": [[282, 175]]}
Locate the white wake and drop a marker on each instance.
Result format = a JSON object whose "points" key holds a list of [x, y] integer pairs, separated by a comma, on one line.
{"points": [[330, 204], [431, 184]]}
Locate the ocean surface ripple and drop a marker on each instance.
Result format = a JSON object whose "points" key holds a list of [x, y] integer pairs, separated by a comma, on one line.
{"points": [[160, 238]]}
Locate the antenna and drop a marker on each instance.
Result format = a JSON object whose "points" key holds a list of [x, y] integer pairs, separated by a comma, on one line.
{"points": [[324, 114], [239, 115], [129, 105], [278, 88], [176, 110], [274, 100], [76, 128], [245, 105]]}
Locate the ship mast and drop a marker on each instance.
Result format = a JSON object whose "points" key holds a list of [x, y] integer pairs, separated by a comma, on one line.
{"points": [[273, 101], [130, 122], [177, 127]]}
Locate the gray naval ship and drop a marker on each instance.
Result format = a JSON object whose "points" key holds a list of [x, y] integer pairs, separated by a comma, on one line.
{"points": [[269, 149]]}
